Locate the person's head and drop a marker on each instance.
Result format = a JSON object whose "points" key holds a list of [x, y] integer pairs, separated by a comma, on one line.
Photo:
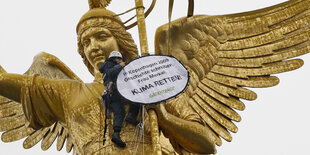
{"points": [[100, 32], [116, 56]]}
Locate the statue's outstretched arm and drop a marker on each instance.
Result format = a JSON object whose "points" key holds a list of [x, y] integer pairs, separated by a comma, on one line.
{"points": [[39, 113], [192, 136], [43, 90], [42, 98], [45, 65], [12, 84]]}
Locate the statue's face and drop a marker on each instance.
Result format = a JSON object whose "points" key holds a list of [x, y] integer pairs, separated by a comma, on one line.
{"points": [[98, 43]]}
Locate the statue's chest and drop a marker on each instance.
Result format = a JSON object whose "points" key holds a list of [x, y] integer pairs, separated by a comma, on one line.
{"points": [[86, 122]]}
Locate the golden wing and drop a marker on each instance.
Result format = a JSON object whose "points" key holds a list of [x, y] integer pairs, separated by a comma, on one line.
{"points": [[12, 117], [226, 53]]}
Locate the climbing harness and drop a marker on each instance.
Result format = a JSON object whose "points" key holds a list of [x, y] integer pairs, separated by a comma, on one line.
{"points": [[106, 101]]}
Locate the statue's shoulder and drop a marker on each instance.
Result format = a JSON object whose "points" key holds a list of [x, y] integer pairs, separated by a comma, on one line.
{"points": [[95, 87]]}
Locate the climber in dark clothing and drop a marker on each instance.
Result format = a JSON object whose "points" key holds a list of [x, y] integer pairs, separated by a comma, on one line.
{"points": [[110, 70]]}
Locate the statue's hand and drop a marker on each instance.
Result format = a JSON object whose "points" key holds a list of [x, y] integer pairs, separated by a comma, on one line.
{"points": [[160, 111], [189, 135]]}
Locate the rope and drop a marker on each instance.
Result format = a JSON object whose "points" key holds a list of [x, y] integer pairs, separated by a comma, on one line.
{"points": [[100, 128], [139, 133], [143, 111]]}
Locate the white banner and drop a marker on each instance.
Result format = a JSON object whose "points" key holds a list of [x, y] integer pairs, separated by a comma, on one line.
{"points": [[152, 79]]}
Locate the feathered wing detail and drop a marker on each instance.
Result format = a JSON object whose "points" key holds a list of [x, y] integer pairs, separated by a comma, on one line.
{"points": [[13, 119], [98, 3], [226, 53]]}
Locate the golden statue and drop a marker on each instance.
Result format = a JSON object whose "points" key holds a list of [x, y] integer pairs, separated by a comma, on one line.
{"points": [[224, 54]]}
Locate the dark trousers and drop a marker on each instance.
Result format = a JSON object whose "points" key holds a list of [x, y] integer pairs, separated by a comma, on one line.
{"points": [[119, 111]]}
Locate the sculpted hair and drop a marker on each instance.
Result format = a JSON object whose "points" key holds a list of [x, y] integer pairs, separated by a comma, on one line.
{"points": [[127, 46]]}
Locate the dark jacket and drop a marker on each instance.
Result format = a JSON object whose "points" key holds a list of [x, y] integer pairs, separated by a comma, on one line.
{"points": [[110, 71]]}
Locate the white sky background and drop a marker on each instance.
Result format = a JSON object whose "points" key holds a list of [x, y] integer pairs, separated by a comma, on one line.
{"points": [[275, 124]]}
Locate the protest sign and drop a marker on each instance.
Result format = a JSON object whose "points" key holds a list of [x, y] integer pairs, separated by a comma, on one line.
{"points": [[152, 79]]}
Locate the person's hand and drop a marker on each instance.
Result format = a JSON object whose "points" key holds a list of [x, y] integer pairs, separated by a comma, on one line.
{"points": [[122, 63]]}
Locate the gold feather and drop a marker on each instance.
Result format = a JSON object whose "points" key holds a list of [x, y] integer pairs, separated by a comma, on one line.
{"points": [[69, 144], [61, 139], [16, 134], [34, 138]]}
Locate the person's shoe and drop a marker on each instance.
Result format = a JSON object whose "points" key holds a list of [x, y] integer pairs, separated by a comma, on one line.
{"points": [[117, 140], [132, 120]]}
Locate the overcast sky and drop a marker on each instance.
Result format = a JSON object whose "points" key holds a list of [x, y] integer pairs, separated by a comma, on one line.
{"points": [[275, 124]]}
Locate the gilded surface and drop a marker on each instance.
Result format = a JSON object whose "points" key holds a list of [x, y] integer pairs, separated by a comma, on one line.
{"points": [[227, 53], [98, 3], [224, 55]]}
